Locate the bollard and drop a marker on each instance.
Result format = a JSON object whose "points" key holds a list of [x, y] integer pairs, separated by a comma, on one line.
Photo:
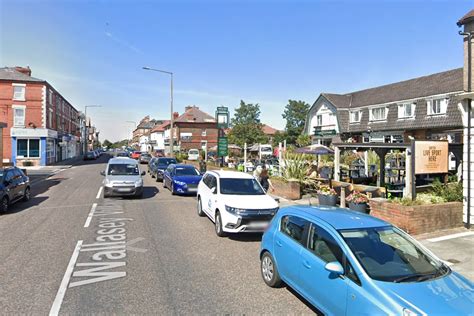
{"points": [[343, 197]]}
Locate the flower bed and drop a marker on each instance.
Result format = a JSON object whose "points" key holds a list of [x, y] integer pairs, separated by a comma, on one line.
{"points": [[418, 219]]}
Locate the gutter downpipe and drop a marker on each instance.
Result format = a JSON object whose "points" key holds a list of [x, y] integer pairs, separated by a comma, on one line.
{"points": [[469, 110]]}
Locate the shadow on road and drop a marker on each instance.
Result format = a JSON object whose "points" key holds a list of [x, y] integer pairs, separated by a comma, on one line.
{"points": [[246, 237]]}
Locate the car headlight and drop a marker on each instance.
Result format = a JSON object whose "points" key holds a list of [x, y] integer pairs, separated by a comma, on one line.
{"points": [[108, 183], [235, 210], [139, 183], [179, 182], [407, 312]]}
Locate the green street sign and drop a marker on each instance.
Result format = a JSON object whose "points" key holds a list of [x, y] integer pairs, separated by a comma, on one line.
{"points": [[222, 117], [222, 146]]}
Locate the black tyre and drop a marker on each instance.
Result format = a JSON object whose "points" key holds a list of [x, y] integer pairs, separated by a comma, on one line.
{"points": [[218, 225], [269, 271], [199, 208], [4, 205], [172, 189], [27, 194]]}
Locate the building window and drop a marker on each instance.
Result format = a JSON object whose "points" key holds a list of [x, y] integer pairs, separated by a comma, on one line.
{"points": [[319, 120], [406, 110], [378, 114], [19, 115], [50, 97], [50, 118], [19, 92], [28, 148], [437, 106], [204, 132], [355, 116]]}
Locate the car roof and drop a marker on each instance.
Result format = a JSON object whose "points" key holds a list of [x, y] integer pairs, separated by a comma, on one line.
{"points": [[178, 165], [339, 218], [122, 160], [231, 174]]}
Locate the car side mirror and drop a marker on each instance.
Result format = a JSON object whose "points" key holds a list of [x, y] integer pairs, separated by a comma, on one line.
{"points": [[143, 173], [334, 267], [102, 173], [213, 190]]}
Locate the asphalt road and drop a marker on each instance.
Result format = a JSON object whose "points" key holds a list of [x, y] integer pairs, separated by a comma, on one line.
{"points": [[59, 252]]}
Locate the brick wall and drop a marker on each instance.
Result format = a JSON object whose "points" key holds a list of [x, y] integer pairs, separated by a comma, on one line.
{"points": [[418, 219], [196, 130], [286, 189]]}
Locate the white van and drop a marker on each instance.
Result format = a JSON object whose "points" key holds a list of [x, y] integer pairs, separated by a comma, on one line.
{"points": [[193, 154]]}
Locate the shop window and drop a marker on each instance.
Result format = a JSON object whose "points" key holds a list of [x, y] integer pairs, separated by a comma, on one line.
{"points": [[19, 115], [28, 148]]}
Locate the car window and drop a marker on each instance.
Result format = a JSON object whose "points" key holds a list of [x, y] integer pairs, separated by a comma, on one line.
{"points": [[294, 227], [166, 161], [187, 171], [123, 169], [241, 186], [205, 179], [9, 175], [17, 173], [323, 245], [169, 169], [212, 182]]}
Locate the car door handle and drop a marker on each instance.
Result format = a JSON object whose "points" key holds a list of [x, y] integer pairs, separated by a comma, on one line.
{"points": [[306, 264], [279, 244]]}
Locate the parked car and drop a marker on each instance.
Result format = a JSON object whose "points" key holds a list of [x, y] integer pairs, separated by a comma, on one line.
{"points": [[90, 155], [181, 179], [235, 202], [122, 154], [15, 186], [123, 178], [157, 169], [349, 263], [193, 154], [144, 158], [135, 154], [151, 164]]}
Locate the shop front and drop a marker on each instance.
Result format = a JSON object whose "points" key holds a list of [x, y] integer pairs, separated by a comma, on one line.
{"points": [[33, 146]]}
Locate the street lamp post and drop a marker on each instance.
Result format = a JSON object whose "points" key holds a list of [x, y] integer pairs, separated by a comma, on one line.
{"points": [[86, 136], [171, 105], [134, 126]]}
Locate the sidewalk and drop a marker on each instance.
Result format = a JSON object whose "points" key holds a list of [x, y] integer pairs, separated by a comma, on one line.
{"points": [[65, 164]]}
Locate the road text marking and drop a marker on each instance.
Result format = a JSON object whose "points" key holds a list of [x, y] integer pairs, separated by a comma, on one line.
{"points": [[64, 283], [91, 213], [447, 237], [99, 193]]}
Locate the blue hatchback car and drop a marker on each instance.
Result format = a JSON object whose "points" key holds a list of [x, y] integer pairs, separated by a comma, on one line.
{"points": [[348, 263], [181, 179]]}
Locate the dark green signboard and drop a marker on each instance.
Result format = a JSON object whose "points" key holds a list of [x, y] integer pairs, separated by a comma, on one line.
{"points": [[222, 117], [330, 132], [222, 146]]}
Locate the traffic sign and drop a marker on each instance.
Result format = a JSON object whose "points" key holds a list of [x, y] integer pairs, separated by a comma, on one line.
{"points": [[222, 146]]}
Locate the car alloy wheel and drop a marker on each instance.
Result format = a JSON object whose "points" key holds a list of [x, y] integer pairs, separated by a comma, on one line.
{"points": [[4, 205], [269, 271], [26, 196], [199, 208], [218, 225]]}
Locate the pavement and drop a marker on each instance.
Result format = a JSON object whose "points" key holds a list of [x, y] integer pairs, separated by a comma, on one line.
{"points": [[70, 251]]}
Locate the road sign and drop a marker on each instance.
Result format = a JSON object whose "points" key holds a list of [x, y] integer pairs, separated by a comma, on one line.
{"points": [[222, 117], [222, 146]]}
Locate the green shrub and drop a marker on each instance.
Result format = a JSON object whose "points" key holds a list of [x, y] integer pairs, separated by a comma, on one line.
{"points": [[451, 192]]}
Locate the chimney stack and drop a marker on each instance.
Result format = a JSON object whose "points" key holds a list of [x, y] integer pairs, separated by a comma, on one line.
{"points": [[24, 70], [467, 22], [175, 115]]}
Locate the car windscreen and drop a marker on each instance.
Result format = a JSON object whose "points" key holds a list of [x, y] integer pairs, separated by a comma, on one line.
{"points": [[388, 254], [166, 161], [123, 169], [240, 186], [187, 171], [146, 155]]}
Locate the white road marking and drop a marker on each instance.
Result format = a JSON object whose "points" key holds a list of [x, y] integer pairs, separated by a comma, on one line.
{"points": [[91, 213], [452, 236], [64, 283], [99, 193]]}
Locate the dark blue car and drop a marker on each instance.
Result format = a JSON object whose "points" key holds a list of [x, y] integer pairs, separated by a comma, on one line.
{"points": [[181, 179], [158, 166]]}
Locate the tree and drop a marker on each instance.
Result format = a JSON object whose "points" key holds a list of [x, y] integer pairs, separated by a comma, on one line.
{"points": [[303, 140], [246, 126], [279, 137], [295, 114], [107, 143]]}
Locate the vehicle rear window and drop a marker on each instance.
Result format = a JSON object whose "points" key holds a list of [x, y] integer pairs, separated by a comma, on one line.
{"points": [[240, 186], [166, 161], [123, 169], [187, 171]]}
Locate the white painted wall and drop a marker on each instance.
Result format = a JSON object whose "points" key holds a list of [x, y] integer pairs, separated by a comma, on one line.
{"points": [[464, 159], [159, 137], [328, 116]]}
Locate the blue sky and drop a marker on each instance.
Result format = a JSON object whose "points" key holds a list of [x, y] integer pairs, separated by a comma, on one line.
{"points": [[263, 52]]}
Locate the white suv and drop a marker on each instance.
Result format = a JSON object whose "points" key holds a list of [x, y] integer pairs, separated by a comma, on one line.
{"points": [[235, 202]]}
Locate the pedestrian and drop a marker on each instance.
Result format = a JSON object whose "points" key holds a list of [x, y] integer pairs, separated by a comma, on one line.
{"points": [[265, 179], [257, 172]]}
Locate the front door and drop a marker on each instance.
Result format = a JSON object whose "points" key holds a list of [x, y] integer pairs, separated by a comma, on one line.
{"points": [[289, 241], [326, 291]]}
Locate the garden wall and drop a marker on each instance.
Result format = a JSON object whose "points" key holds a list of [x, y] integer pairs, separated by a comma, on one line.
{"points": [[418, 219], [286, 189]]}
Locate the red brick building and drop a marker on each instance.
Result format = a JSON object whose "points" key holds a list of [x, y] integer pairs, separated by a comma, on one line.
{"points": [[42, 126], [195, 129]]}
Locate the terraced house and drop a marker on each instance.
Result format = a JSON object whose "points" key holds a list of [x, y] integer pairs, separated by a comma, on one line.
{"points": [[42, 127]]}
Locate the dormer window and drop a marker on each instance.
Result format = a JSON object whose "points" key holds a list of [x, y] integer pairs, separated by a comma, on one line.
{"points": [[406, 110], [378, 114], [354, 116], [437, 106]]}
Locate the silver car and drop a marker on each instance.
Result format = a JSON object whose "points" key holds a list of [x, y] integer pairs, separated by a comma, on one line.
{"points": [[123, 178]]}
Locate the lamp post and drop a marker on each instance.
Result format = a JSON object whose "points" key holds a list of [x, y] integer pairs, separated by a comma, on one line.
{"points": [[171, 105], [134, 126], [86, 136]]}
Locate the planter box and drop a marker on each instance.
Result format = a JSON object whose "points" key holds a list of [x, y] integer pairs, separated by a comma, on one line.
{"points": [[286, 189], [329, 200], [418, 219], [362, 207]]}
